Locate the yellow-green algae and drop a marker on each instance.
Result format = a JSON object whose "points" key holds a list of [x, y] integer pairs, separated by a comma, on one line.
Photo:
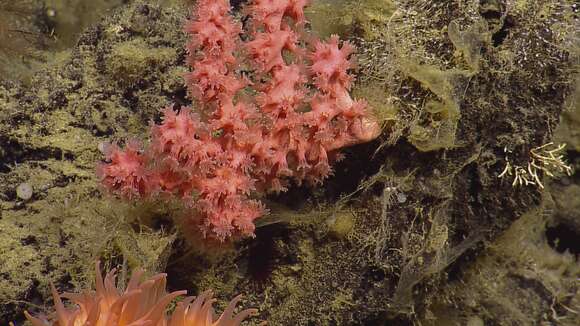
{"points": [[342, 17], [127, 60], [569, 129], [520, 256], [50, 141], [58, 241]]}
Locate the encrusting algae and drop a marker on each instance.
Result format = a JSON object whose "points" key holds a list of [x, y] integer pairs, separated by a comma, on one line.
{"points": [[140, 304]]}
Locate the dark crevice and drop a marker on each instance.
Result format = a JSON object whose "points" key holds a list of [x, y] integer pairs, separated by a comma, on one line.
{"points": [[238, 4], [14, 152], [456, 269], [354, 168], [178, 99], [491, 15], [499, 36], [263, 254], [562, 238]]}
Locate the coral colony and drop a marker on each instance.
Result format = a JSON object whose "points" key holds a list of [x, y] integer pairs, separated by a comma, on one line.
{"points": [[271, 108], [142, 303]]}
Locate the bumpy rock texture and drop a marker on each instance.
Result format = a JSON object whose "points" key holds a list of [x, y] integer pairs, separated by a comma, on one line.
{"points": [[414, 227]]}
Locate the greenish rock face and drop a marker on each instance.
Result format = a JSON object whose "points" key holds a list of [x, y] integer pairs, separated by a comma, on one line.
{"points": [[460, 88]]}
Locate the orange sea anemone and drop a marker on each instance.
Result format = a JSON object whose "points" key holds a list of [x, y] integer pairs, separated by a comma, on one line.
{"points": [[140, 304], [200, 312]]}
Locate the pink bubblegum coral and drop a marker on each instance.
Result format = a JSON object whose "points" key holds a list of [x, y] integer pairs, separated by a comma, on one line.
{"points": [[239, 144], [125, 172]]}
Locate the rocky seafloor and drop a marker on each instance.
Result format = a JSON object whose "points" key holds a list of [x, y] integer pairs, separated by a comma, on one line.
{"points": [[414, 228]]}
